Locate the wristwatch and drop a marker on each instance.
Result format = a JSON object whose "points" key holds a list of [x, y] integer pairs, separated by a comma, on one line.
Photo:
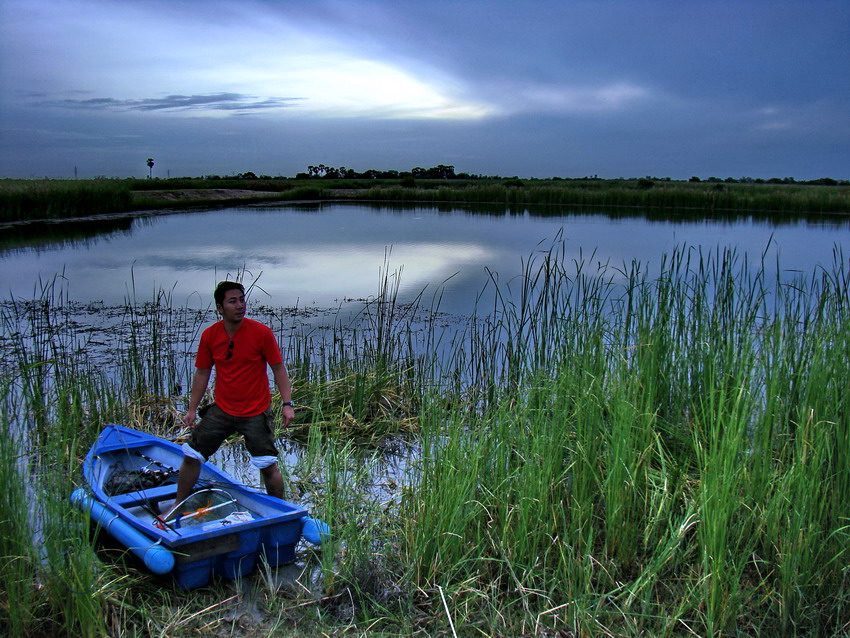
{"points": [[289, 403]]}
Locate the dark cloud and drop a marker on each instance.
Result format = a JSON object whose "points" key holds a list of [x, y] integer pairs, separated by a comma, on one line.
{"points": [[236, 102]]}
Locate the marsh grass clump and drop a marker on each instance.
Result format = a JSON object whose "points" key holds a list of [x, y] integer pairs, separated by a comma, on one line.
{"points": [[363, 378]]}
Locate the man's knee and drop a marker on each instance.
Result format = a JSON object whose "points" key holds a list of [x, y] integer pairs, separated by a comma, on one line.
{"points": [[272, 471], [191, 462], [273, 480]]}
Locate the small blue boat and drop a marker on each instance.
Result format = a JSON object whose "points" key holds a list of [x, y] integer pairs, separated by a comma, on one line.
{"points": [[221, 531]]}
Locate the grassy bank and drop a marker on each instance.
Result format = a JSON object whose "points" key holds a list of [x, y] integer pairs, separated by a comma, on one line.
{"points": [[22, 200], [57, 199], [600, 452], [713, 198]]}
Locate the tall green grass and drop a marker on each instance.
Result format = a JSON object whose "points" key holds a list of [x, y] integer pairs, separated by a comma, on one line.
{"points": [[52, 405], [658, 466], [56, 199], [714, 198], [18, 594]]}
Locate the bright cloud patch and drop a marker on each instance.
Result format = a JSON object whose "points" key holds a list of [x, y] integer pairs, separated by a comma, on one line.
{"points": [[571, 99], [374, 89]]}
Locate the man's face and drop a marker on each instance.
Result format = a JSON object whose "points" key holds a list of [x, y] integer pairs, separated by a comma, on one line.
{"points": [[232, 307]]}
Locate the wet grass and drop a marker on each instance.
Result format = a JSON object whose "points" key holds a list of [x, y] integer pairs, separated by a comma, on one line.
{"points": [[603, 451]]}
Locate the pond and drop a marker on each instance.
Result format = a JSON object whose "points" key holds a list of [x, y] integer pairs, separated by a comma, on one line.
{"points": [[332, 255]]}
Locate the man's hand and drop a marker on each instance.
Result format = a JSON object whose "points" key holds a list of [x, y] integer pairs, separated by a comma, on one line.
{"points": [[190, 418], [288, 415]]}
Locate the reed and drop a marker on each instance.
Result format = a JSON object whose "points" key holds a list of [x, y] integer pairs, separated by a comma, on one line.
{"points": [[71, 575], [53, 404], [715, 198], [364, 377], [18, 610], [651, 456], [55, 199]]}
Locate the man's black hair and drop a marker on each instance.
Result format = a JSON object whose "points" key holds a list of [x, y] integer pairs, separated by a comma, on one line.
{"points": [[223, 287]]}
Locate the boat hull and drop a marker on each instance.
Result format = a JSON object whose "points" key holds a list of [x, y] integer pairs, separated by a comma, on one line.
{"points": [[194, 549]]}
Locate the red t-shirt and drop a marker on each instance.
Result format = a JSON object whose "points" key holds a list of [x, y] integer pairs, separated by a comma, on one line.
{"points": [[241, 380]]}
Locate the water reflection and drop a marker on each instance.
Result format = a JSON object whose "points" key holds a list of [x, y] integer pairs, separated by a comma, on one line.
{"points": [[42, 234], [324, 256], [386, 470], [832, 220]]}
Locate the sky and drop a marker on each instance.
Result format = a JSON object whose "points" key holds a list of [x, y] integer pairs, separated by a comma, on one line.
{"points": [[511, 88]]}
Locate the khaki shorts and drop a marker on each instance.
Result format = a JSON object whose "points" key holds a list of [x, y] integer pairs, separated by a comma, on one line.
{"points": [[216, 425]]}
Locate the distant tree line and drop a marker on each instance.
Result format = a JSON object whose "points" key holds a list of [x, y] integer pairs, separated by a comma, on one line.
{"points": [[441, 171], [447, 172], [822, 181]]}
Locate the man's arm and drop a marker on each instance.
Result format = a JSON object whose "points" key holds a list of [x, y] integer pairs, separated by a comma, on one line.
{"points": [[199, 386], [281, 380]]}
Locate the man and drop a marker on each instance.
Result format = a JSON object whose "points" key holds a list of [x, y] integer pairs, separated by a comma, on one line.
{"points": [[240, 349]]}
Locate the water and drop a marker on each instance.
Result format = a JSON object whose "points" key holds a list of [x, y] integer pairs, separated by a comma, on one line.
{"points": [[329, 256]]}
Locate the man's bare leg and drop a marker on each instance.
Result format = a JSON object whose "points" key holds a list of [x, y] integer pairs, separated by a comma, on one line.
{"points": [[273, 480], [190, 470]]}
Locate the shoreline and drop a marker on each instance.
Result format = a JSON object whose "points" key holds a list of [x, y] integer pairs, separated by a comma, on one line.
{"points": [[180, 199]]}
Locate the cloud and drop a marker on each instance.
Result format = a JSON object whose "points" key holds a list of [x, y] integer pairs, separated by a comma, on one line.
{"points": [[574, 99], [232, 102], [820, 117]]}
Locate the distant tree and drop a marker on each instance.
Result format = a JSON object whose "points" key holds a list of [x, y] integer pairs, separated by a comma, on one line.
{"points": [[445, 172], [150, 167], [695, 179]]}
